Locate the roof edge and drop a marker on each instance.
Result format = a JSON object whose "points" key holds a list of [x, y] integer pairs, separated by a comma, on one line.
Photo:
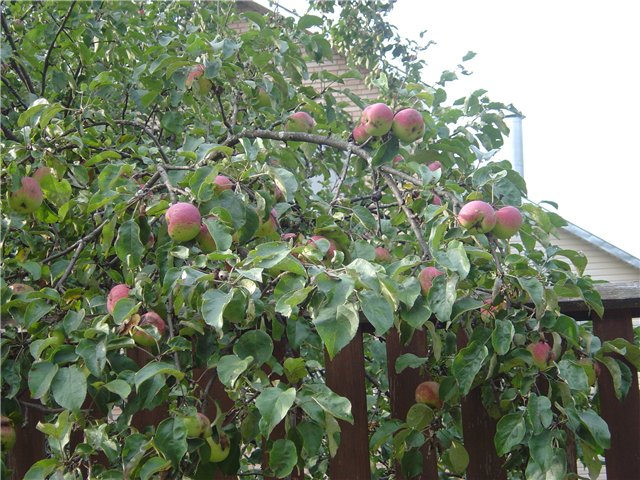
{"points": [[602, 244]]}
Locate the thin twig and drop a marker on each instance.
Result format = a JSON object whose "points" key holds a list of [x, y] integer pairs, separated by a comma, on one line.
{"points": [[409, 214], [53, 43], [170, 325], [218, 91], [167, 183], [342, 178], [18, 67], [14, 93], [404, 176], [72, 263], [9, 134]]}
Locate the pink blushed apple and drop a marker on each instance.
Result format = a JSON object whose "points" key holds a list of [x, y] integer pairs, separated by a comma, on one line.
{"points": [[222, 182], [426, 276], [143, 338], [332, 246], [433, 166], [429, 394], [477, 217], [300, 122], [377, 119], [28, 197], [382, 255], [508, 222], [183, 222], [542, 354], [204, 239], [408, 125], [360, 135], [116, 293]]}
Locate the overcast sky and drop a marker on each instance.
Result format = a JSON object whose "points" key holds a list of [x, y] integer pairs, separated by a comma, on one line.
{"points": [[571, 67]]}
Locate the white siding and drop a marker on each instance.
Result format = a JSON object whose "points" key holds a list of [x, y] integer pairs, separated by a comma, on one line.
{"points": [[602, 265]]}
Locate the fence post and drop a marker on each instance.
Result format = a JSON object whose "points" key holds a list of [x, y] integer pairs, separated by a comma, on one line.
{"points": [[30, 443], [623, 417], [402, 387], [479, 429], [345, 375]]}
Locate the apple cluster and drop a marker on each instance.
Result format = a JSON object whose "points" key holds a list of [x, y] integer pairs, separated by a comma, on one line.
{"points": [[378, 119], [480, 217]]}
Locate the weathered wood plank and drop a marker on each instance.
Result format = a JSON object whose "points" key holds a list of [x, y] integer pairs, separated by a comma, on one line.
{"points": [[345, 375], [615, 295], [402, 387], [623, 417]]}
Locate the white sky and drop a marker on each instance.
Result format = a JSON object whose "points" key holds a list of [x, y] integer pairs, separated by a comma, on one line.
{"points": [[571, 67]]}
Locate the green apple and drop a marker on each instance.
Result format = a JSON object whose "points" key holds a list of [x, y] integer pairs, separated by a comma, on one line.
{"points": [[219, 450]]}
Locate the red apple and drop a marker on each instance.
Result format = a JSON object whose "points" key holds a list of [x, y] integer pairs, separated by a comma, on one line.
{"points": [[300, 122], [360, 135], [426, 276], [332, 246], [477, 217], [28, 197], [203, 84], [429, 394], [408, 125], [116, 293], [183, 222], [205, 241], [542, 354], [7, 434], [435, 166], [382, 255], [397, 159], [222, 183], [288, 236], [143, 338], [508, 222], [436, 200], [377, 119]]}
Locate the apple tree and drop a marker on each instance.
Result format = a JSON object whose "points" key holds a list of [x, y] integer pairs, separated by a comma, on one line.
{"points": [[191, 225]]}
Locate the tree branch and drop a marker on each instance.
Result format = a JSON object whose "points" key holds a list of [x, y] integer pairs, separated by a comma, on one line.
{"points": [[342, 178], [72, 263], [53, 43], [14, 93], [407, 211], [20, 70]]}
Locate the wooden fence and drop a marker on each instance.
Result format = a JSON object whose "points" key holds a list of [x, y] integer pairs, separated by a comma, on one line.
{"points": [[345, 375]]}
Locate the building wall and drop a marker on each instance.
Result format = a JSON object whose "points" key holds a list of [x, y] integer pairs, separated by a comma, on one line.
{"points": [[602, 265]]}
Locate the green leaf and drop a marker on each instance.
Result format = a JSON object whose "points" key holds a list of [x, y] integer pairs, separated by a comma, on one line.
{"points": [[40, 376], [365, 217], [316, 395], [273, 404], [41, 469], [541, 449], [230, 367], [153, 466], [378, 311], [267, 255], [409, 360], [616, 376], [69, 388], [419, 416], [464, 305], [35, 311], [295, 369], [307, 21], [337, 327], [152, 369], [213, 304], [510, 431], [283, 457], [442, 296], [458, 258], [286, 182], [467, 363], [597, 427], [125, 307], [254, 343], [502, 336], [539, 413], [573, 374], [171, 439], [536, 291], [386, 153], [94, 355], [119, 387], [128, 246]]}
